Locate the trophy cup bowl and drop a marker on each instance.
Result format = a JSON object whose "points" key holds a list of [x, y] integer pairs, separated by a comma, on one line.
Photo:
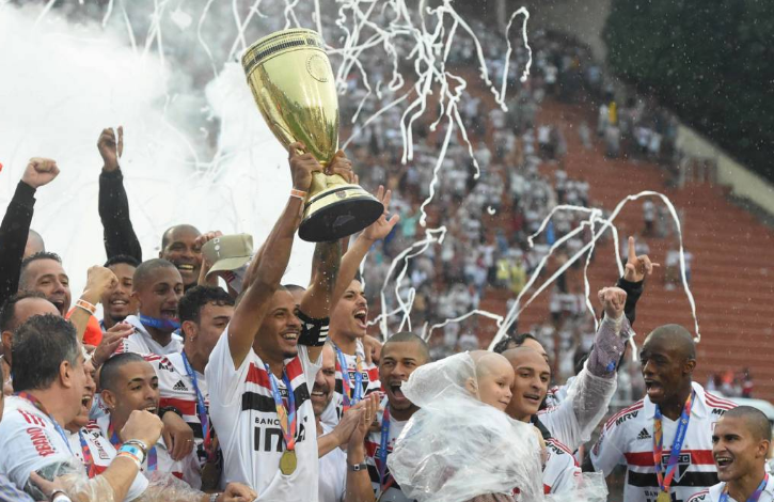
{"points": [[292, 82]]}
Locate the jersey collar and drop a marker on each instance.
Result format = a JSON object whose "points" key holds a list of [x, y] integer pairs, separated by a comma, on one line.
{"points": [[698, 410]]}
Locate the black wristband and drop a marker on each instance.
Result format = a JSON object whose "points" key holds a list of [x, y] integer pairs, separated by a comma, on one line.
{"points": [[163, 411], [314, 332]]}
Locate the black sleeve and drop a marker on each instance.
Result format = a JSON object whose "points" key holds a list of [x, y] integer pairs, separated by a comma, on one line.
{"points": [[633, 292], [114, 213], [13, 238]]}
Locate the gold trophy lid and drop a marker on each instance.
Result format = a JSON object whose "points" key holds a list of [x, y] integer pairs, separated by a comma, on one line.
{"points": [[280, 41]]}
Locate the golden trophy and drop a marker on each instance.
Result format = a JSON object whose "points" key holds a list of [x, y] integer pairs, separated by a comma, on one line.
{"points": [[293, 84]]}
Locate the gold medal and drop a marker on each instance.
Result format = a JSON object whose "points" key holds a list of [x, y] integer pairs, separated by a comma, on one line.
{"points": [[663, 497], [289, 462]]}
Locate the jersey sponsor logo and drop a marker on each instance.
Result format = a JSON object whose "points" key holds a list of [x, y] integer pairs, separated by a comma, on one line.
{"points": [[270, 439], [32, 419], [626, 417], [40, 441], [644, 434], [719, 411], [683, 463], [180, 386]]}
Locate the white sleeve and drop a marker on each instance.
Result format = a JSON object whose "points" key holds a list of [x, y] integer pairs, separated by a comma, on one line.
{"points": [[567, 475], [576, 417], [606, 453], [222, 377], [310, 367], [35, 448]]}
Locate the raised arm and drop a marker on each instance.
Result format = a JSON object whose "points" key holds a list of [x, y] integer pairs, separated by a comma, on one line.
{"points": [[269, 265], [15, 228], [633, 281], [119, 235], [350, 263], [318, 299], [589, 395]]}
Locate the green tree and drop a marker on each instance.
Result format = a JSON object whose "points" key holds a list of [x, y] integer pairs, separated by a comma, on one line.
{"points": [[712, 62]]}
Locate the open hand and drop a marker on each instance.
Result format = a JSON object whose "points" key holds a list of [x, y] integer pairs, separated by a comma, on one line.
{"points": [[382, 227], [110, 342]]}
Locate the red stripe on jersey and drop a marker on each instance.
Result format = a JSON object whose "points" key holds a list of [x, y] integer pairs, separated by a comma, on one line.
{"points": [[636, 406], [371, 448], [185, 407], [645, 458], [546, 490], [717, 402], [294, 369], [100, 468], [153, 357], [560, 445], [373, 374], [258, 376]]}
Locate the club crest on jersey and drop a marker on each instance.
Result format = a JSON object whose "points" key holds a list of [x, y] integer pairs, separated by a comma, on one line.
{"points": [[683, 463]]}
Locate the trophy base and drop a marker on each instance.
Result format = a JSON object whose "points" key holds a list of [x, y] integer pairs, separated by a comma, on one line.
{"points": [[338, 212]]}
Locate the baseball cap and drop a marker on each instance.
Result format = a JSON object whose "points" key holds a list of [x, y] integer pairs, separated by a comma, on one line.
{"points": [[228, 252]]}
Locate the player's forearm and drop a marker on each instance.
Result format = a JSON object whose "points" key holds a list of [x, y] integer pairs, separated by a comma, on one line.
{"points": [[359, 487], [609, 346], [316, 302], [350, 264], [120, 475], [327, 443], [269, 266]]}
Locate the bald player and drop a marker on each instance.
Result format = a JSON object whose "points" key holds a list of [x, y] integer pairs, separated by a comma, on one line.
{"points": [[158, 288], [675, 405], [740, 445]]}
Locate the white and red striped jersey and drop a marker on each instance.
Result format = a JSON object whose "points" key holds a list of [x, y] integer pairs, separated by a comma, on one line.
{"points": [[561, 473], [370, 379], [186, 469], [584, 403], [29, 441], [102, 454], [177, 390], [141, 342], [392, 491], [627, 439], [712, 494], [244, 414]]}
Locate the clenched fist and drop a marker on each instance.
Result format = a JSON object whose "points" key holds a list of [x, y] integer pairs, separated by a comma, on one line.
{"points": [[613, 301], [40, 172]]}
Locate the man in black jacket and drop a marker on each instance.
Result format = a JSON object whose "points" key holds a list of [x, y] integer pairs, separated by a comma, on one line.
{"points": [[15, 233], [180, 244]]}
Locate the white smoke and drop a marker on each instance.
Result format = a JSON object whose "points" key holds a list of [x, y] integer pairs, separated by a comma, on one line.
{"points": [[64, 80]]}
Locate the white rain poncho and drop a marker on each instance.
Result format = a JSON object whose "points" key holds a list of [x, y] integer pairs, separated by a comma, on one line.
{"points": [[456, 447]]}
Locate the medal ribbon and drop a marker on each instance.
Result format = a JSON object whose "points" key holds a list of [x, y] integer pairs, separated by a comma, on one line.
{"points": [[287, 417], [88, 459], [753, 498], [350, 400], [383, 443], [37, 404], [162, 324], [201, 408], [152, 459], [665, 479]]}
